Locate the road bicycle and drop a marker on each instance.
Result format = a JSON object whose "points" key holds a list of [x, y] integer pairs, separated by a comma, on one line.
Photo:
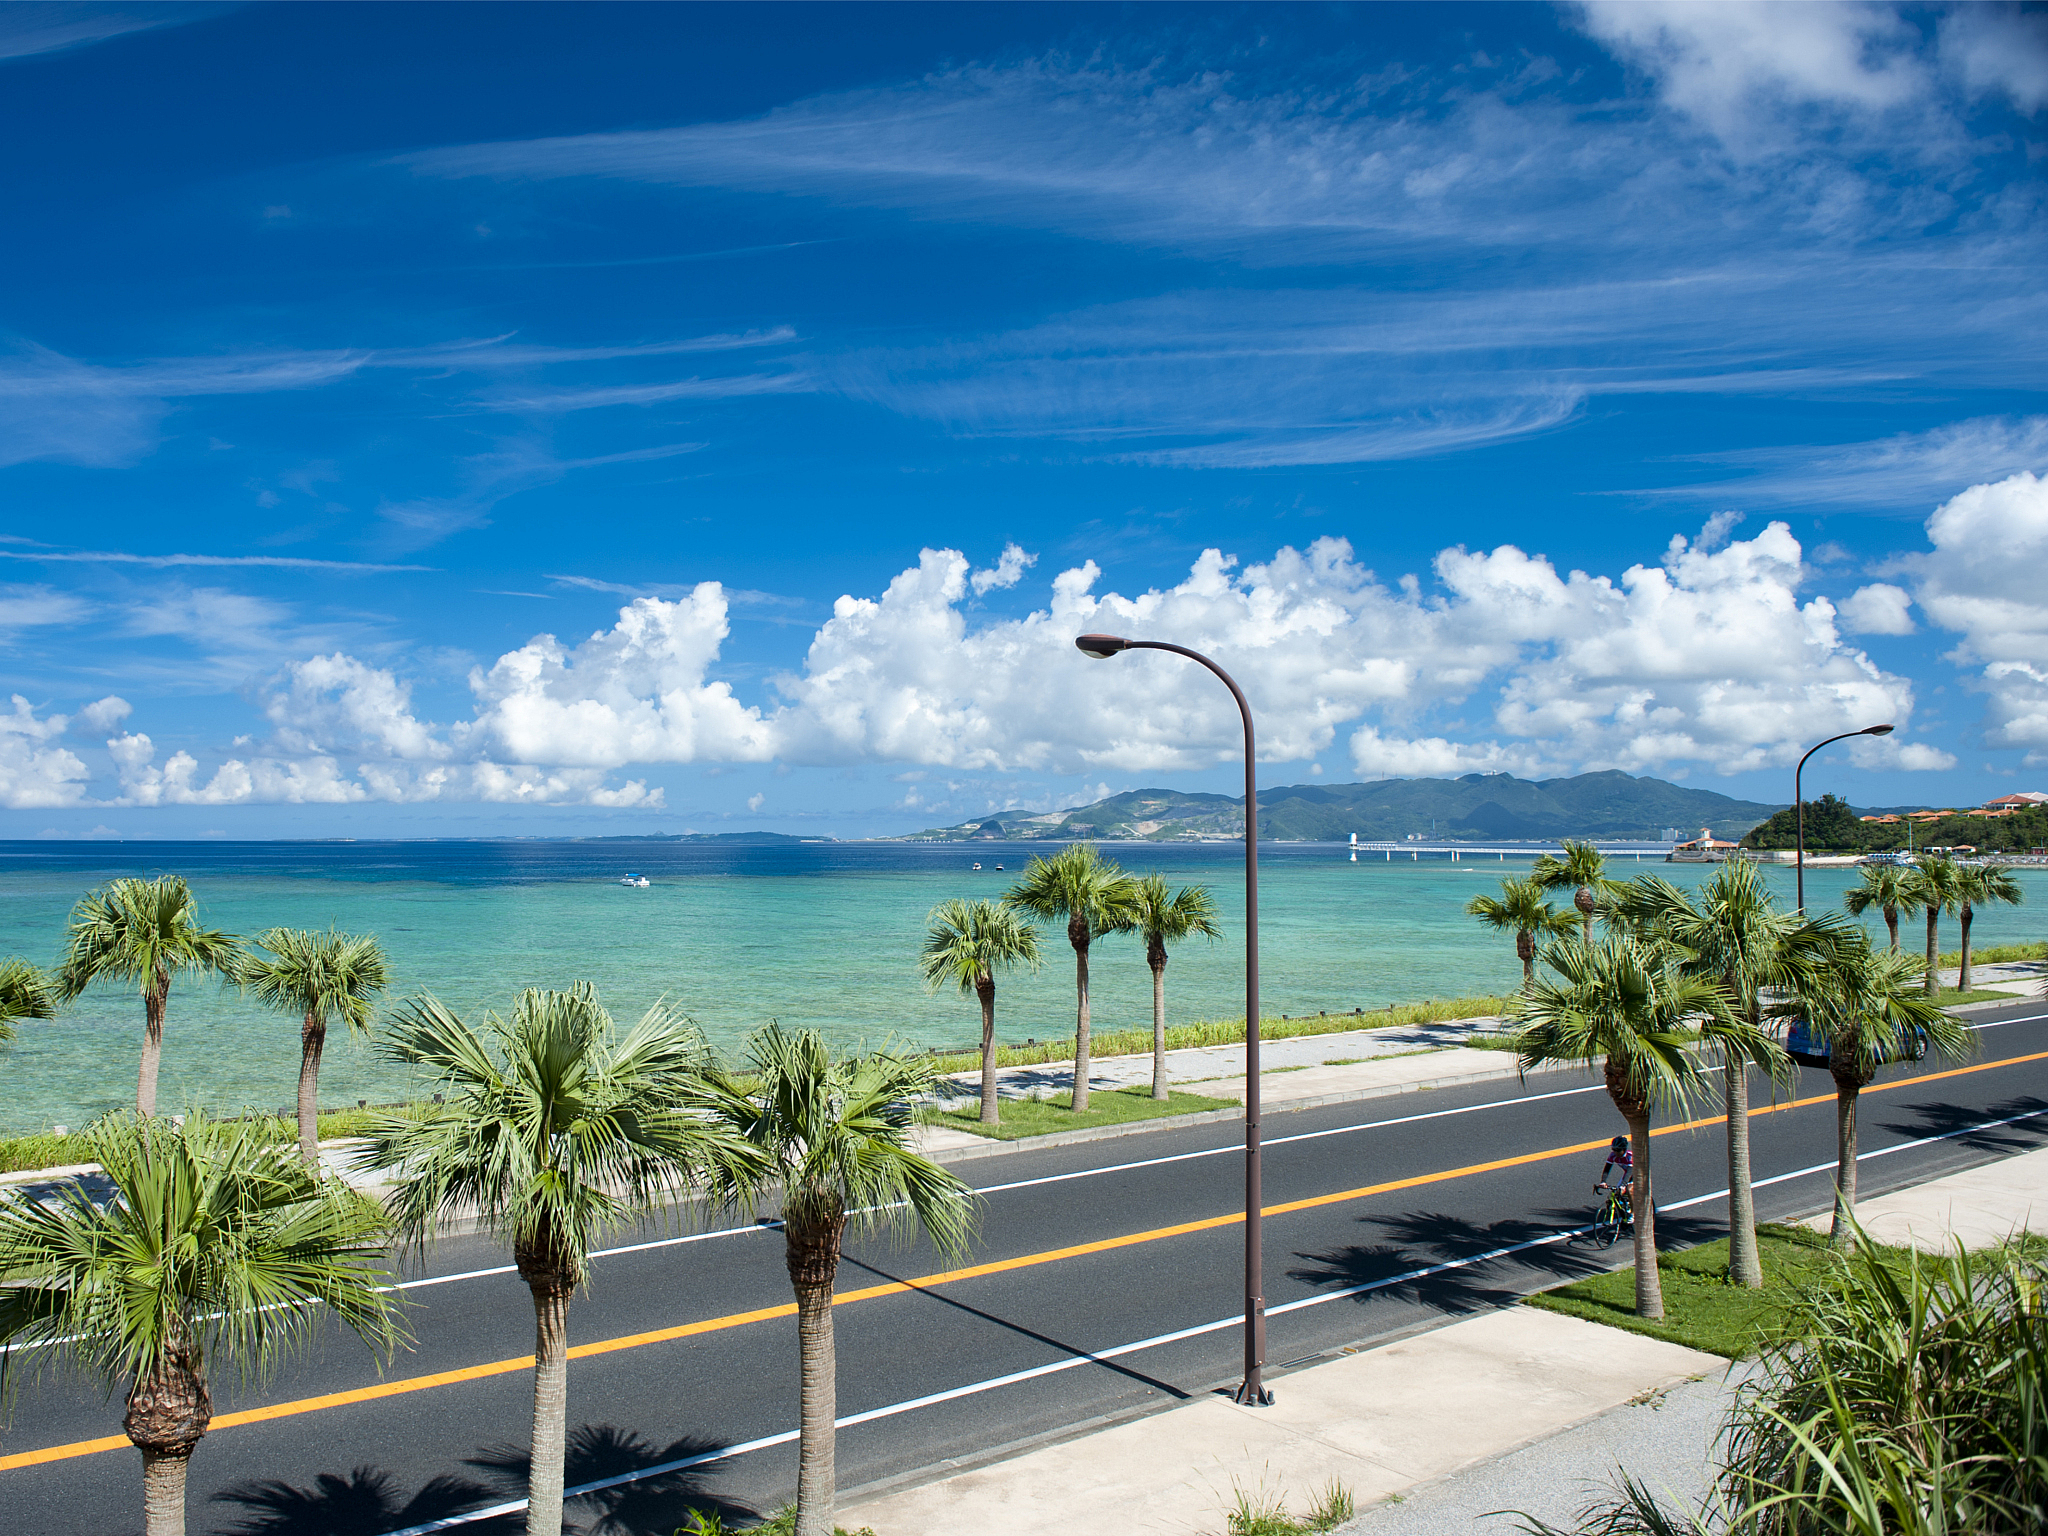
{"points": [[1611, 1217]]}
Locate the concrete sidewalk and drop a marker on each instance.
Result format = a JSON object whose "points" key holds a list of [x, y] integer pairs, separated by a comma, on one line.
{"points": [[1517, 1409]]}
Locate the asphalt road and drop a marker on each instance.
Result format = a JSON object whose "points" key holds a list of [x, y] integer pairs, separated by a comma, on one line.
{"points": [[1401, 1207]]}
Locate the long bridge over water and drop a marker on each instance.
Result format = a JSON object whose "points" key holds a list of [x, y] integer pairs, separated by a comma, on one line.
{"points": [[1502, 852]]}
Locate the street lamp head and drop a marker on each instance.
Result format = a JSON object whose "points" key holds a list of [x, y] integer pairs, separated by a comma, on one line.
{"points": [[1102, 647], [1876, 730]]}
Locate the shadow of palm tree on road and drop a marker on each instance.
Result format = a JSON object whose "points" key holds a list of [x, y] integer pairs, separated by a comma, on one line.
{"points": [[650, 1506], [1959, 1121], [365, 1502], [1423, 1240]]}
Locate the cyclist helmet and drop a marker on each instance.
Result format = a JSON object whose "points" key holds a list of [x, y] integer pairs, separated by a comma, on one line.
{"points": [[1620, 1143]]}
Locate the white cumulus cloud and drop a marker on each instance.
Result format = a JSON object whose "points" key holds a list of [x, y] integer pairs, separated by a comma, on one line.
{"points": [[1878, 609], [1983, 581], [1007, 571], [635, 693], [34, 772]]}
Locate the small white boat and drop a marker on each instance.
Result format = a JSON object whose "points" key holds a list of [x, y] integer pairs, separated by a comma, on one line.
{"points": [[635, 880], [977, 866]]}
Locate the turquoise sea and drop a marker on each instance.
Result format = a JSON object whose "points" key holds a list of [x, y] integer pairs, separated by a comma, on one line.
{"points": [[819, 935]]}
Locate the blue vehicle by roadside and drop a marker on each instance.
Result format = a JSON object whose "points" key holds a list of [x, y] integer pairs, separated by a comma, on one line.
{"points": [[1809, 1048]]}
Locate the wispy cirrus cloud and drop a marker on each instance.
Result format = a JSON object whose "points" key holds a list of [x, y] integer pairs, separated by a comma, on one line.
{"points": [[1226, 377], [54, 407], [1900, 474], [598, 397], [31, 29], [165, 562], [485, 479]]}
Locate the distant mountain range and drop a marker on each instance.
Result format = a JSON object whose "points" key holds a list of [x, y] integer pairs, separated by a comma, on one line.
{"points": [[1477, 807]]}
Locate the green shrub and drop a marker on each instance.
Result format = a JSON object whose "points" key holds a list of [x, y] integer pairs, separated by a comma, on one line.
{"points": [[1904, 1398]]}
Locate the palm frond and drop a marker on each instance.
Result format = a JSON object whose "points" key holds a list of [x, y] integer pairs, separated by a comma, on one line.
{"points": [[1627, 1006], [967, 941], [837, 1131], [25, 993], [553, 1128], [324, 975], [216, 1239], [1077, 883], [134, 931]]}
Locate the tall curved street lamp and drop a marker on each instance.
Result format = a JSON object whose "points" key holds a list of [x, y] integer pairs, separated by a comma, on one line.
{"points": [[1252, 1390], [1799, 805]]}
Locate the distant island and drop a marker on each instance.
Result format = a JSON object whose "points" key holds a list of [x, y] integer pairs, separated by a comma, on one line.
{"points": [[1477, 807]]}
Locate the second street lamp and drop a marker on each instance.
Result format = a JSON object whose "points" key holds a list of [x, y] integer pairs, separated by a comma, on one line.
{"points": [[1253, 1389], [1799, 805]]}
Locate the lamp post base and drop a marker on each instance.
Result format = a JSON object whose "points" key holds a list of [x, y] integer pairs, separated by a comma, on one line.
{"points": [[1250, 1396]]}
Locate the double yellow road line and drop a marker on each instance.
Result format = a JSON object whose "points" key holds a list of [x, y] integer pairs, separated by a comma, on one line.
{"points": [[946, 1277]]}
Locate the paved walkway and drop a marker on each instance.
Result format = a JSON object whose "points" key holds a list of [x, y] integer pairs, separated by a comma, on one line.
{"points": [[1512, 1410]]}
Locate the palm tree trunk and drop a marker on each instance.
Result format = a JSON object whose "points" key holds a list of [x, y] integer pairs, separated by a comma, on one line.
{"points": [[1649, 1285], [1933, 953], [1525, 951], [1891, 923], [1843, 1234], [312, 1040], [155, 1003], [168, 1411], [1159, 1029], [552, 1285], [1080, 1020], [1744, 1267], [811, 1250], [163, 1491], [991, 1111], [1963, 976]]}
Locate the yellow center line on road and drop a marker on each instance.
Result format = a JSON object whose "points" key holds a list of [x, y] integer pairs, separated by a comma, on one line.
{"points": [[946, 1277]]}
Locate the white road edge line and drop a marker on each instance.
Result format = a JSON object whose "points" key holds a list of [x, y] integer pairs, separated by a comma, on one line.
{"points": [[470, 1517]]}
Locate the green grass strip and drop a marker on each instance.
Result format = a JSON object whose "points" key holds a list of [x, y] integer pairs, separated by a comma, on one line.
{"points": [[1702, 1310], [1045, 1117]]}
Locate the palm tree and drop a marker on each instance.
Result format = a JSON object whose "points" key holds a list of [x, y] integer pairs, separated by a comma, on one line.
{"points": [[967, 943], [1584, 869], [1732, 931], [1094, 896], [1521, 909], [1885, 887], [1932, 884], [1867, 1005], [314, 975], [25, 993], [1163, 918], [1625, 1006], [218, 1248], [555, 1129], [1983, 884], [835, 1131], [142, 932]]}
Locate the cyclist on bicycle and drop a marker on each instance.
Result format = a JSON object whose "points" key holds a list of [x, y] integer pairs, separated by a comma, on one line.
{"points": [[1619, 1156]]}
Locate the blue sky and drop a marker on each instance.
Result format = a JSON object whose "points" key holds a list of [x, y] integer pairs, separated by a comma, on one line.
{"points": [[483, 420]]}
